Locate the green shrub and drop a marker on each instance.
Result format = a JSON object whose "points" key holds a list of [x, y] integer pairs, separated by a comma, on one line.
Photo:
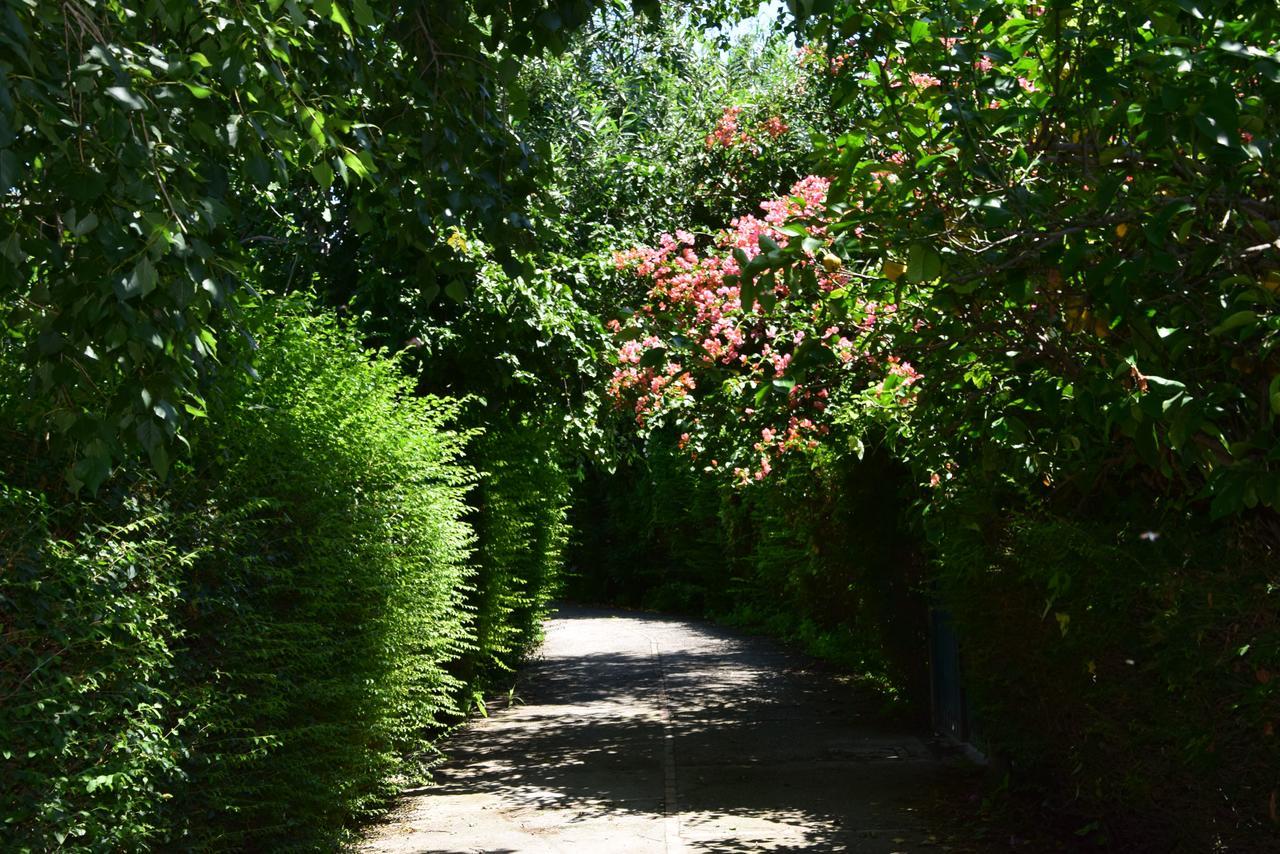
{"points": [[263, 652], [521, 534], [647, 534], [815, 556], [327, 603], [824, 561], [93, 716]]}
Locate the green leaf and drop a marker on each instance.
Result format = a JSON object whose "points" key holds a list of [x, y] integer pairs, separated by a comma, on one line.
{"points": [[924, 264], [140, 282], [159, 456], [355, 164], [765, 292], [362, 13], [92, 468], [456, 291], [1235, 321], [314, 121], [124, 96], [323, 173], [747, 292], [654, 357], [335, 15], [11, 249], [85, 225], [10, 170]]}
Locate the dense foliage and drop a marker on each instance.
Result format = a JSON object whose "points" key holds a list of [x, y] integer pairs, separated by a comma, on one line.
{"points": [[324, 625], [819, 559], [626, 119], [520, 523], [260, 654], [1138, 700], [1033, 210], [811, 326], [157, 156], [1037, 265], [92, 693]]}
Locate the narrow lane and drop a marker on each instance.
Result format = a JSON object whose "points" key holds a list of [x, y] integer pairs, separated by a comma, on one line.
{"points": [[639, 733]]}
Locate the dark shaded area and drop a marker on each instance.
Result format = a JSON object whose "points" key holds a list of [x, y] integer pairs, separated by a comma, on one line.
{"points": [[821, 558]]}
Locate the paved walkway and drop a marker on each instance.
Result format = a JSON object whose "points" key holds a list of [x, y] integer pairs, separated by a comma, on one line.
{"points": [[641, 734]]}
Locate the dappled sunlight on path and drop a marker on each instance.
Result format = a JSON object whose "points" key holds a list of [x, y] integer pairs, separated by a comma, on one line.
{"points": [[639, 733]]}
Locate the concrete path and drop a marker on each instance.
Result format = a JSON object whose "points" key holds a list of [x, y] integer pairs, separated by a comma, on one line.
{"points": [[641, 734]]}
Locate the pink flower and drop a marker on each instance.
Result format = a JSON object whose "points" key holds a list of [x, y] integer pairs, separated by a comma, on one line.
{"points": [[775, 127], [924, 81], [1026, 84], [902, 369], [726, 133]]}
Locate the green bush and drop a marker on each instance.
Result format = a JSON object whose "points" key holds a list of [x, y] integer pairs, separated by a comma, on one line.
{"points": [[647, 534], [263, 652], [93, 715], [824, 561], [94, 719], [1130, 678], [327, 603], [521, 534]]}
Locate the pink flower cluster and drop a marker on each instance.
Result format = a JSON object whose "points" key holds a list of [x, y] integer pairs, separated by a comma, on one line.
{"points": [[899, 368], [651, 388], [695, 315], [775, 127], [727, 133], [810, 57]]}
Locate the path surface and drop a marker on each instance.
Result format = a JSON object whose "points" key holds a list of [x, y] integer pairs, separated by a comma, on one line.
{"points": [[643, 734]]}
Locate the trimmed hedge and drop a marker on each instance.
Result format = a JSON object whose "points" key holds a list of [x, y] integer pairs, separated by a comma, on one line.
{"points": [[262, 653], [521, 530], [327, 615]]}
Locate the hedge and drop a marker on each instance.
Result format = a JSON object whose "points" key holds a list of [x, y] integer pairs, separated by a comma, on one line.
{"points": [[263, 651]]}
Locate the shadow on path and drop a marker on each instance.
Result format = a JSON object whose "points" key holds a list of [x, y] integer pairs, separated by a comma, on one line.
{"points": [[639, 733]]}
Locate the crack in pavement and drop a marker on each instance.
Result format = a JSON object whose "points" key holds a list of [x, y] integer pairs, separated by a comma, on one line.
{"points": [[671, 807]]}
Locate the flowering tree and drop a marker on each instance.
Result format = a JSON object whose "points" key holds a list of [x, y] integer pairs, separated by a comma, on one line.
{"points": [[1064, 217], [742, 353]]}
